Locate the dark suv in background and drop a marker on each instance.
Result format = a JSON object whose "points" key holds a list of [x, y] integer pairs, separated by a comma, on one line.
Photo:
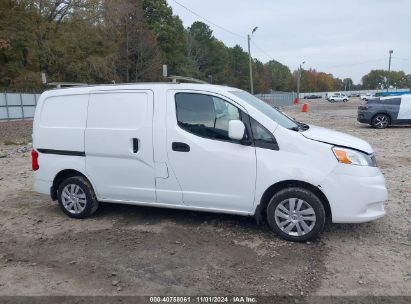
{"points": [[381, 112]]}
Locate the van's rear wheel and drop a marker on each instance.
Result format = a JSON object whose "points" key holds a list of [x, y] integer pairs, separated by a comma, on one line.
{"points": [[380, 121], [76, 197], [296, 214]]}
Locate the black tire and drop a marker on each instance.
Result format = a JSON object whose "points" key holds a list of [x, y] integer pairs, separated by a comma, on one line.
{"points": [[380, 121], [91, 203], [332, 100], [311, 200], [345, 100]]}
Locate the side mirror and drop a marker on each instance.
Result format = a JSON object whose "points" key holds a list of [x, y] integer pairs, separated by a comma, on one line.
{"points": [[236, 129]]}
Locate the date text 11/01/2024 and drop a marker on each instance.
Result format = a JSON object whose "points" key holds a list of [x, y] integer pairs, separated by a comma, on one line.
{"points": [[204, 299]]}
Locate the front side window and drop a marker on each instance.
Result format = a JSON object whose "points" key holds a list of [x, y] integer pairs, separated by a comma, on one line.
{"points": [[262, 137], [205, 115]]}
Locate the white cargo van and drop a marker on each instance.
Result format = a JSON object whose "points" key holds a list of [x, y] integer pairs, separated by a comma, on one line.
{"points": [[200, 147]]}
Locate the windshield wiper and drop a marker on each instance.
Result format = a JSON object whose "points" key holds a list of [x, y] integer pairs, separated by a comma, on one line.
{"points": [[300, 126], [303, 126]]}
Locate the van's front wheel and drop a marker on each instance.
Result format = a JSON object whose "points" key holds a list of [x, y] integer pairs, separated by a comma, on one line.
{"points": [[296, 214], [76, 197]]}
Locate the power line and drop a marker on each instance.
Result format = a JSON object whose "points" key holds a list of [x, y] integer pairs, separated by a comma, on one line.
{"points": [[354, 64], [207, 20], [332, 66], [261, 50], [406, 59]]}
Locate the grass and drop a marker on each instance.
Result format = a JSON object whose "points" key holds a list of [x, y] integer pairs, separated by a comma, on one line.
{"points": [[10, 143], [14, 143]]}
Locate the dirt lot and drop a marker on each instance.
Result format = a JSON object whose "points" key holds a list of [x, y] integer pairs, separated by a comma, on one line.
{"points": [[128, 250]]}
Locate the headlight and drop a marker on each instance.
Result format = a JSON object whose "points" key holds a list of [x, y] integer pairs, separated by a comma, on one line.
{"points": [[353, 157]]}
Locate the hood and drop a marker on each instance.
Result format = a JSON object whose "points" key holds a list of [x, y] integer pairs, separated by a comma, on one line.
{"points": [[337, 138]]}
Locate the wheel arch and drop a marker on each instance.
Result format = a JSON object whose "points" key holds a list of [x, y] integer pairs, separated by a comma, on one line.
{"points": [[260, 211], [61, 176]]}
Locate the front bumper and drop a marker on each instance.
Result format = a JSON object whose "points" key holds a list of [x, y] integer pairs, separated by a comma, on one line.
{"points": [[356, 193]]}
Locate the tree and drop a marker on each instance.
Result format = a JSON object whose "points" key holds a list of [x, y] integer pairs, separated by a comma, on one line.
{"points": [[347, 83], [325, 82], [46, 18], [208, 54], [136, 56], [378, 79], [237, 69], [279, 74], [17, 50], [337, 84], [32, 31], [313, 81], [260, 77], [407, 81], [170, 35]]}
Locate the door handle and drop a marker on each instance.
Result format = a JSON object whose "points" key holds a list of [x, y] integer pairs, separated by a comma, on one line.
{"points": [[180, 147], [135, 145]]}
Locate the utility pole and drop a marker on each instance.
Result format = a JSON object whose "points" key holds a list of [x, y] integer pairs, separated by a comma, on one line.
{"points": [[250, 61], [299, 80], [389, 70]]}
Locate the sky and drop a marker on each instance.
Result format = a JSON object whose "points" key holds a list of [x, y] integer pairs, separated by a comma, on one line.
{"points": [[345, 38]]}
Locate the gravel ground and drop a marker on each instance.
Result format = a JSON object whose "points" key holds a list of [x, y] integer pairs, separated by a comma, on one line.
{"points": [[15, 132], [129, 250]]}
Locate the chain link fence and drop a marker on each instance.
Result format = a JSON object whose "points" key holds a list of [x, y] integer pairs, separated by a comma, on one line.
{"points": [[278, 99], [17, 105]]}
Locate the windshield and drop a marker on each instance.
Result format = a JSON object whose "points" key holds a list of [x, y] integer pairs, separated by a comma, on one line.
{"points": [[268, 110]]}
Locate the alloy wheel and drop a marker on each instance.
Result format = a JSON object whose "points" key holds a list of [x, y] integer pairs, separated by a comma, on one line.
{"points": [[381, 121], [295, 217], [73, 198]]}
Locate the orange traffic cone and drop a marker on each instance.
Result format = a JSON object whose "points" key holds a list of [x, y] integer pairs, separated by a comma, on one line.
{"points": [[295, 101], [305, 107]]}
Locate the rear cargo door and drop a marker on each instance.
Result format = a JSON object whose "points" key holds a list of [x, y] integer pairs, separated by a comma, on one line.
{"points": [[119, 145]]}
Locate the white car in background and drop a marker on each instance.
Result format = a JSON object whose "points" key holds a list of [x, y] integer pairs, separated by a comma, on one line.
{"points": [[367, 96], [333, 97]]}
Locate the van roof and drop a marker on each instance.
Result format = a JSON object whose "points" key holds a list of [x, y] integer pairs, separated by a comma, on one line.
{"points": [[143, 85]]}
